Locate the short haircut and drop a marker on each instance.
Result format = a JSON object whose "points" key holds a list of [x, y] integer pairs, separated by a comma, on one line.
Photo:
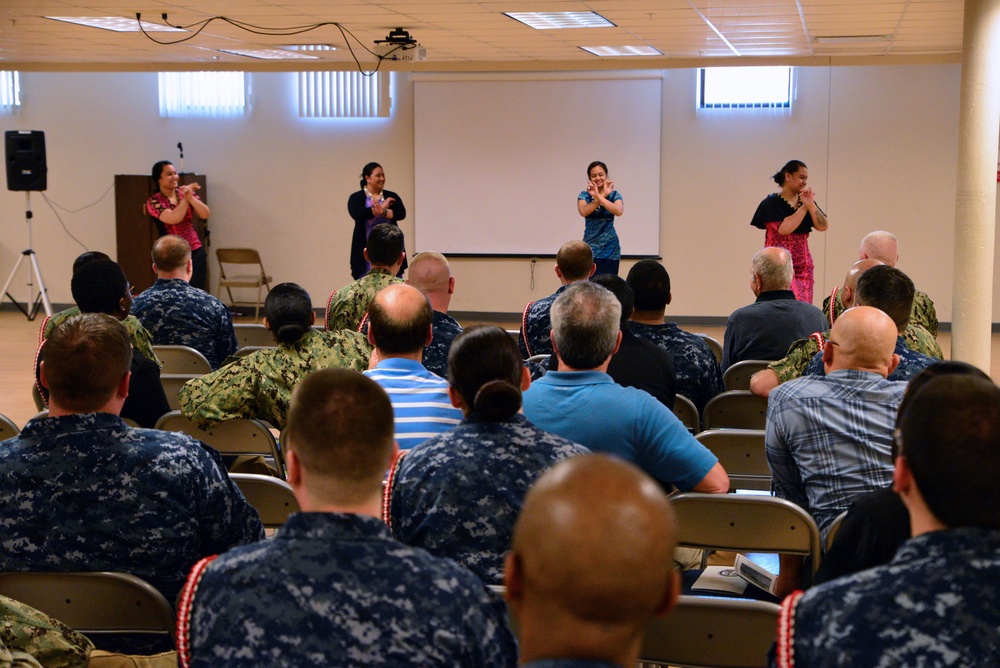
{"points": [[889, 290], [171, 252], [340, 426], [774, 275], [99, 286], [650, 285], [926, 375], [385, 245], [485, 367], [950, 436], [87, 258], [85, 358], [400, 333], [881, 245], [585, 324], [622, 292], [575, 259], [429, 272], [288, 309]]}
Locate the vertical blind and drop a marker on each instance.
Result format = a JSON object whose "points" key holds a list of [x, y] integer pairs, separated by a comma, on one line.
{"points": [[343, 95], [206, 94]]}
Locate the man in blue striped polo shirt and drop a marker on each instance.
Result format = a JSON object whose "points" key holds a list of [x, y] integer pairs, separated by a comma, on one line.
{"points": [[399, 326]]}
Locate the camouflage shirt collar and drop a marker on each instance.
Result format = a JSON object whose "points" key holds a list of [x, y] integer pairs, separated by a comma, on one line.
{"points": [[79, 422], [332, 527]]}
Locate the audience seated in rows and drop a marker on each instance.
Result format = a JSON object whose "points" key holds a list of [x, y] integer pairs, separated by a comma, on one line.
{"points": [[829, 438], [457, 495], [869, 283], [935, 603], [581, 402], [82, 491], [431, 274], [764, 330], [100, 286], [699, 376], [175, 313], [574, 262], [399, 327], [260, 384], [591, 564], [333, 588], [345, 309]]}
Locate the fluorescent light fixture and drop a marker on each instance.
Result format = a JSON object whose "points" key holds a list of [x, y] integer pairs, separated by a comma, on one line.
{"points": [[852, 39], [115, 23], [606, 51], [309, 47], [269, 54], [555, 20]]}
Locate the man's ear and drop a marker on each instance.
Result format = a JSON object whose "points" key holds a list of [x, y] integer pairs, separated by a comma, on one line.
{"points": [[669, 297], [123, 385], [365, 253], [293, 468], [893, 363], [456, 397], [371, 335], [559, 272], [430, 335], [41, 375], [312, 318], [902, 476], [593, 268], [618, 342], [513, 578], [525, 379], [670, 596], [451, 285]]}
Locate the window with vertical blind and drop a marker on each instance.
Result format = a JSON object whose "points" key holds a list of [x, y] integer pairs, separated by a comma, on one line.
{"points": [[10, 92], [203, 94], [745, 87], [344, 95]]}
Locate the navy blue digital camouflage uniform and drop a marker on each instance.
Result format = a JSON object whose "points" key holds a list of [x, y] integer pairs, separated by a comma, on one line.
{"points": [[533, 338], [458, 494], [334, 589], [570, 663], [88, 493], [699, 376], [935, 604], [176, 313], [445, 330], [910, 363]]}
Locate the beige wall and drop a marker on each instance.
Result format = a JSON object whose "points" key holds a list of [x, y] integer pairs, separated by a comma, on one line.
{"points": [[880, 142]]}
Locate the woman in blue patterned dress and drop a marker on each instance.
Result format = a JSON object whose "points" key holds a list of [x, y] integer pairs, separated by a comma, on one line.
{"points": [[599, 203]]}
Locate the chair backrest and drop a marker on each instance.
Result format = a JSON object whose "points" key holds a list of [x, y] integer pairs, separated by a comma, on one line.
{"points": [[735, 409], [239, 256], [233, 437], [831, 533], [273, 499], [741, 453], [7, 428], [718, 632], [253, 335], [713, 345], [93, 603], [744, 522], [687, 413], [737, 377], [182, 359], [542, 359], [172, 384]]}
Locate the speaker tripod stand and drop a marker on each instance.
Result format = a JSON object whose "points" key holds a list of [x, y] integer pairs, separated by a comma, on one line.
{"points": [[34, 301]]}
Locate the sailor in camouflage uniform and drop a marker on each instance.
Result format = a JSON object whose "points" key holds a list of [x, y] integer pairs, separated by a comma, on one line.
{"points": [[936, 603], [887, 289], [177, 313], [699, 375], [591, 564], [458, 494], [923, 314], [574, 262], [431, 274], [345, 309], [260, 384], [333, 588], [82, 491]]}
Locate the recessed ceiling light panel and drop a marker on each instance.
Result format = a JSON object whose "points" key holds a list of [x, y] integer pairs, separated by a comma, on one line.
{"points": [[557, 20], [309, 47], [607, 51], [115, 23]]}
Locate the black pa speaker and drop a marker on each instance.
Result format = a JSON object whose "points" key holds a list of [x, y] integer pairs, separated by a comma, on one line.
{"points": [[26, 168]]}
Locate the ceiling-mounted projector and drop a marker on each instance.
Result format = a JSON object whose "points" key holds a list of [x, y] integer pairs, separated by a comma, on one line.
{"points": [[399, 45]]}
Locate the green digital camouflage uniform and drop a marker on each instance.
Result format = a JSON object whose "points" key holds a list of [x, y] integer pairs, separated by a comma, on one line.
{"points": [[142, 340], [260, 384], [922, 314], [347, 306], [802, 351], [29, 637]]}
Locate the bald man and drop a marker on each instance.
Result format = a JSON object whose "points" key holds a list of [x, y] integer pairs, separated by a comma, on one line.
{"points": [[399, 327], [431, 274], [574, 262], [590, 564], [829, 438], [882, 246], [764, 330]]}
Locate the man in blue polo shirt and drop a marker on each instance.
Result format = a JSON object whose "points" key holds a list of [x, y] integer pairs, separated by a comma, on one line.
{"points": [[581, 402], [399, 326]]}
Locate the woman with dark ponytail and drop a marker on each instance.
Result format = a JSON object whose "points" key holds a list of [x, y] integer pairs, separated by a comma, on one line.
{"points": [[458, 494], [368, 207]]}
